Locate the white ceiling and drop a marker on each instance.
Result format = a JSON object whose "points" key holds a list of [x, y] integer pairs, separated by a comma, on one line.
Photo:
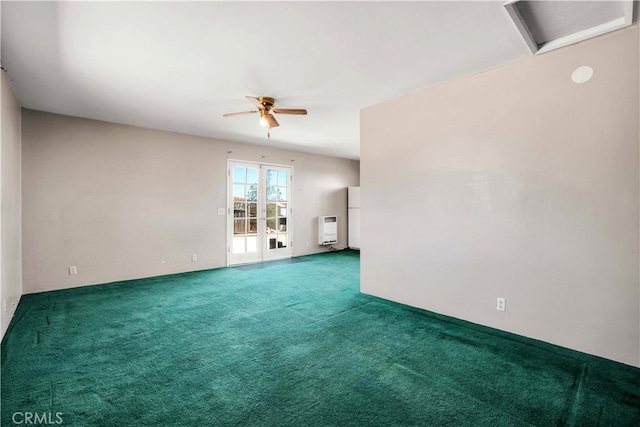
{"points": [[178, 66]]}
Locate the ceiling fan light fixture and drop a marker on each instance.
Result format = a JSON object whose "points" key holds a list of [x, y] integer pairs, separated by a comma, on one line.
{"points": [[263, 118]]}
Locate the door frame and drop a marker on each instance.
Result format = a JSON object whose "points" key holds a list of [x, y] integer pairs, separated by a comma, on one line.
{"points": [[262, 241]]}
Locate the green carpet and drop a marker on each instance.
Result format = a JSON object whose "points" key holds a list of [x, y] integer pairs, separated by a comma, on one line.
{"points": [[289, 345]]}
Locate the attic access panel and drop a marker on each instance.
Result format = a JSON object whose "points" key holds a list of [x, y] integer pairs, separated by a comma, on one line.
{"points": [[548, 25]]}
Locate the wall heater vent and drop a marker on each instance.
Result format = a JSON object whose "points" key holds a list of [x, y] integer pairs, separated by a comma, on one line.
{"points": [[327, 230]]}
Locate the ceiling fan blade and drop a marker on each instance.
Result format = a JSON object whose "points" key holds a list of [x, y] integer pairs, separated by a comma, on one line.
{"points": [[298, 111], [242, 113], [256, 102], [271, 121]]}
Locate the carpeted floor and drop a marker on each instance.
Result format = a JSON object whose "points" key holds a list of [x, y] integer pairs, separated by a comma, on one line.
{"points": [[290, 345]]}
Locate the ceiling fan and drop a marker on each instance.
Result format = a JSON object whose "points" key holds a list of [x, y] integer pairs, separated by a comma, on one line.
{"points": [[265, 108]]}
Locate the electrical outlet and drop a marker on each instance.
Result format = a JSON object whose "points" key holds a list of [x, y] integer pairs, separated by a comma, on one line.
{"points": [[4, 306], [501, 304], [194, 257], [73, 270], [221, 211]]}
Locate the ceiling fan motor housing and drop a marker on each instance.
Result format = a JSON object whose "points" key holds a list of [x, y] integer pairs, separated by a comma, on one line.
{"points": [[267, 102]]}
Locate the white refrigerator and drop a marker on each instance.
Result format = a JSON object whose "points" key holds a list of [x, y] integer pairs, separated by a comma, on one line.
{"points": [[354, 217]]}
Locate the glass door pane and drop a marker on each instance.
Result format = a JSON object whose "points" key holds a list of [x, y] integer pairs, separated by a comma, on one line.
{"points": [[277, 238], [244, 181]]}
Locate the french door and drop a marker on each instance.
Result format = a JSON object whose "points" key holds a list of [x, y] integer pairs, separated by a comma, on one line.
{"points": [[259, 212]]}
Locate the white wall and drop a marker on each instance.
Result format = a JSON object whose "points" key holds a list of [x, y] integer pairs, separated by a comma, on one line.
{"points": [[116, 201], [10, 222], [515, 183]]}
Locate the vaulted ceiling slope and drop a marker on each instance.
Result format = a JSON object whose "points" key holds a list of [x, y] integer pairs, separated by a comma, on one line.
{"points": [[179, 66]]}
